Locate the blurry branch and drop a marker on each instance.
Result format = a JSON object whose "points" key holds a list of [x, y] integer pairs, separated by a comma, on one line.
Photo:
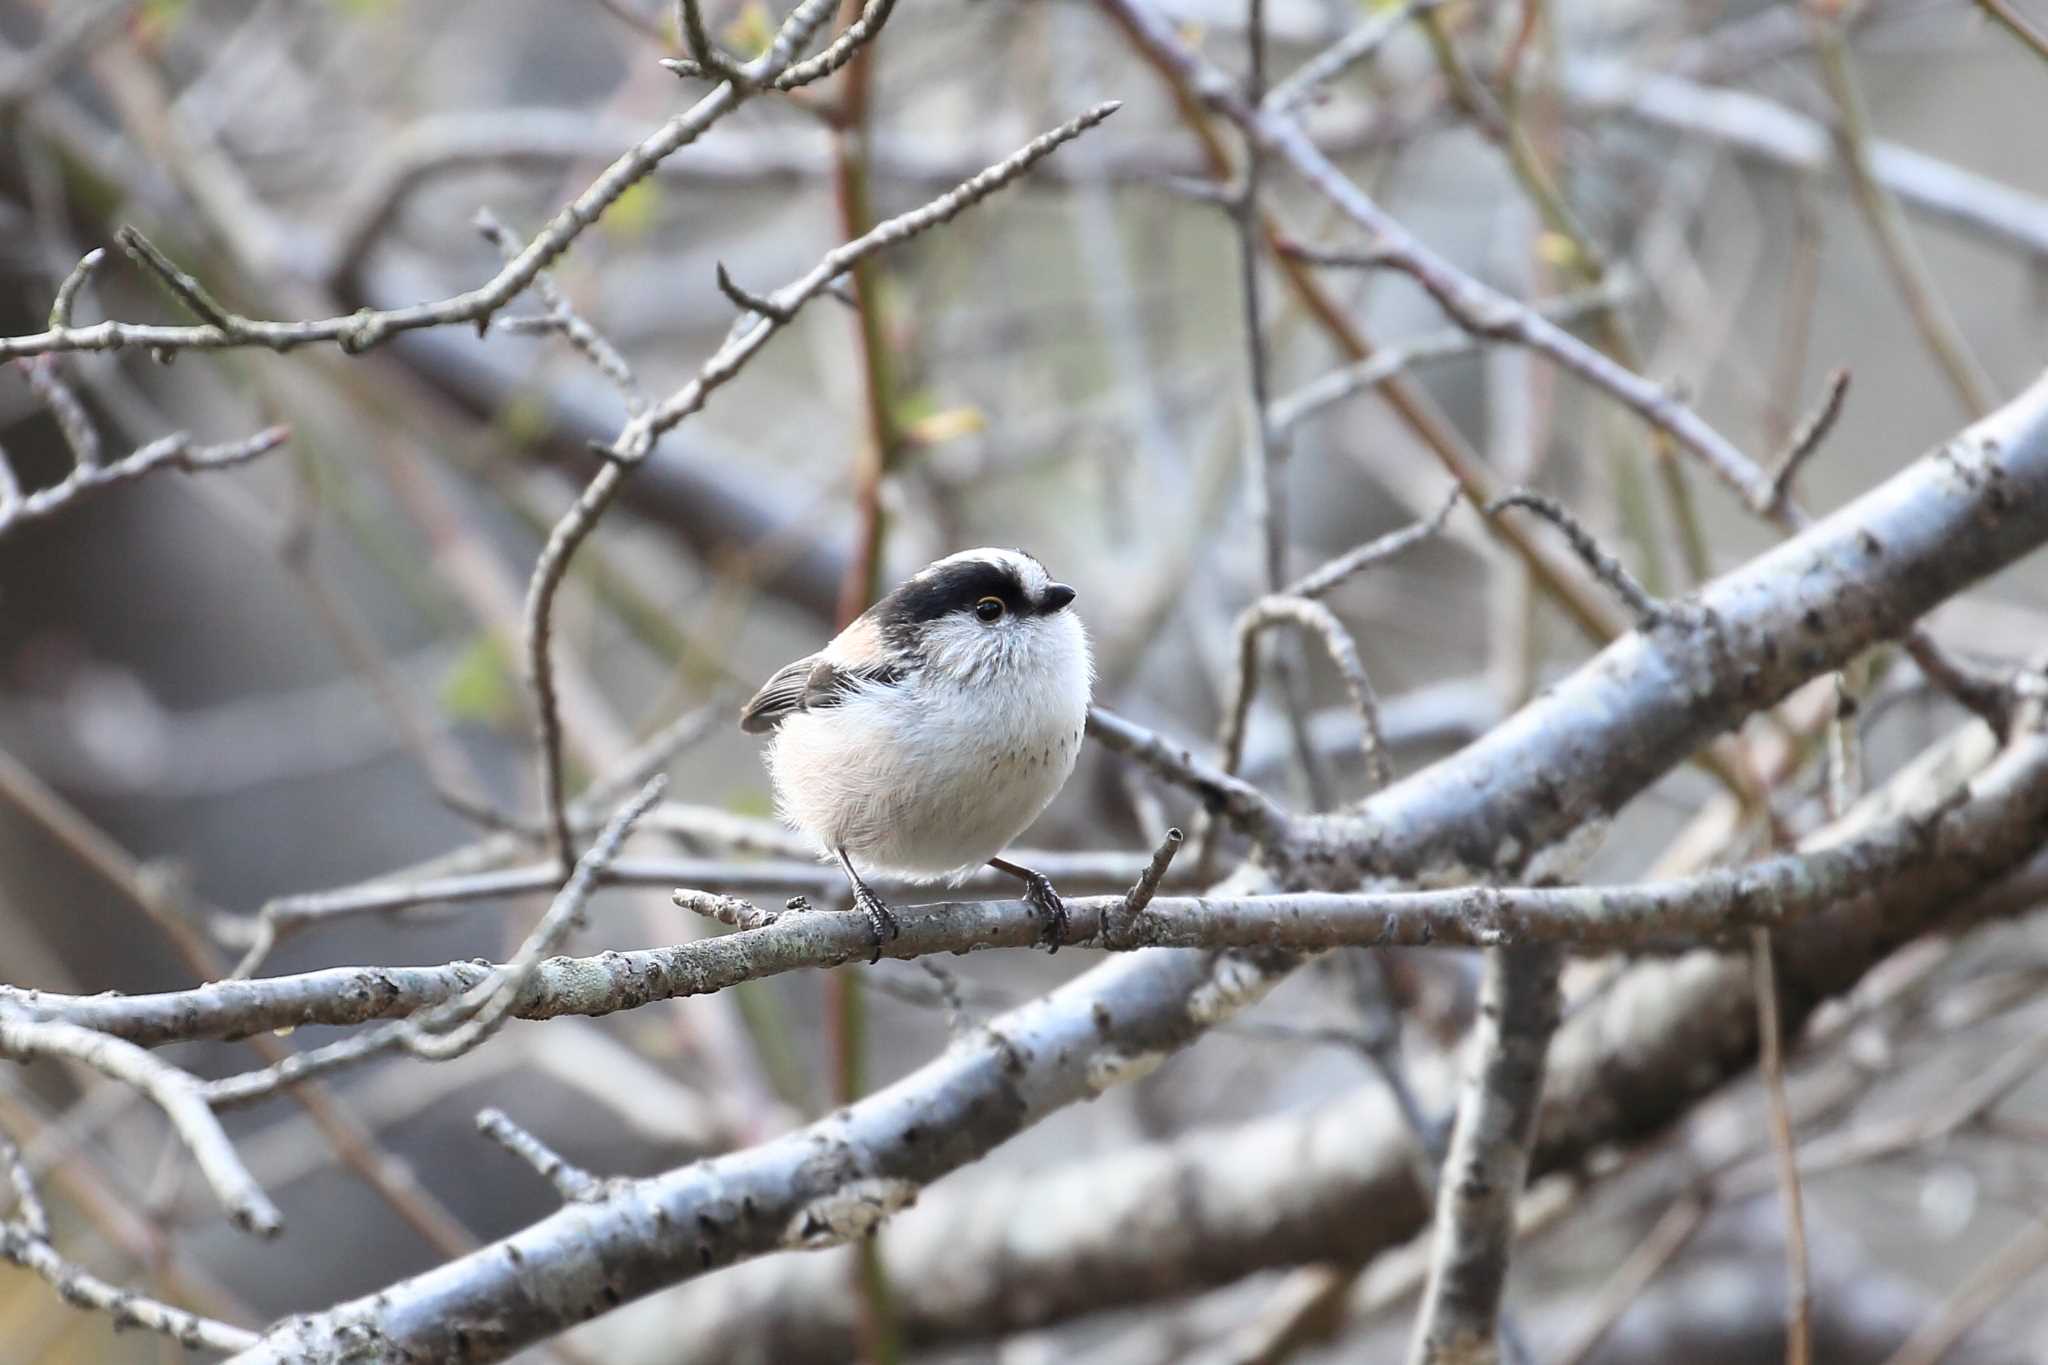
{"points": [[71, 30], [354, 1145], [1322, 581], [25, 1241], [2002, 1275], [1804, 441], [1333, 61], [168, 452], [1409, 402], [467, 1018], [1915, 282], [1482, 310], [1482, 1179], [1504, 124], [1784, 1144], [2016, 24], [1750, 124], [1488, 313], [221, 327], [519, 139], [175, 1092], [588, 341], [572, 1183], [1398, 356]]}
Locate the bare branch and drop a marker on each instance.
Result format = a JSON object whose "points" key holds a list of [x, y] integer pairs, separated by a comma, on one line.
{"points": [[1756, 126], [458, 1024], [72, 419], [2016, 24], [174, 452], [1395, 358], [73, 285], [1777, 893], [175, 1092], [1333, 61], [1330, 576], [1239, 802], [1931, 315], [1320, 621], [370, 328], [1471, 304], [1771, 1060], [1646, 610], [1805, 440], [588, 341], [574, 1184], [82, 1289]]}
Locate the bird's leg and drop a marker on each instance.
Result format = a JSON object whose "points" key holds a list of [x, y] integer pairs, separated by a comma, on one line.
{"points": [[881, 919], [1038, 894]]}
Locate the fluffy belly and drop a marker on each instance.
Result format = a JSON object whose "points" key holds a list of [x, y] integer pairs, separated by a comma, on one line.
{"points": [[900, 798]]}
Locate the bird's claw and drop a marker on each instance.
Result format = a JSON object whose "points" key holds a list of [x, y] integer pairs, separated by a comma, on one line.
{"points": [[1038, 894], [882, 925]]}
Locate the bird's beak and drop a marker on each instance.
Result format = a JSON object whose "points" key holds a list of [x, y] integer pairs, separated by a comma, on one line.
{"points": [[1057, 595]]}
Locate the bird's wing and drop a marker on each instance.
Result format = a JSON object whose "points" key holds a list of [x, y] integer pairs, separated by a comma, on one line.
{"points": [[811, 682]]}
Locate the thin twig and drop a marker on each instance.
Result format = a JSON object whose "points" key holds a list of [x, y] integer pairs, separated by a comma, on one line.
{"points": [[1319, 620], [1931, 316], [81, 1288], [1771, 1061], [2000, 1276], [1467, 301], [604, 357], [1396, 357], [1686, 1216], [454, 1026], [72, 420], [2016, 24], [74, 284], [1648, 612], [573, 1183], [1321, 581], [1804, 441], [29, 1212], [174, 452], [1333, 61]]}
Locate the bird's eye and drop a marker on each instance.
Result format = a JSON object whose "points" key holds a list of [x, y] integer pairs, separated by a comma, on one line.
{"points": [[989, 610]]}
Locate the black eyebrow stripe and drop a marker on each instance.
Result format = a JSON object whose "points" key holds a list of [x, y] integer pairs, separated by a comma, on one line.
{"points": [[952, 588]]}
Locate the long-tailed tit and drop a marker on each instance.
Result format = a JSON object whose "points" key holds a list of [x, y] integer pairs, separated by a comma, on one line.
{"points": [[934, 729]]}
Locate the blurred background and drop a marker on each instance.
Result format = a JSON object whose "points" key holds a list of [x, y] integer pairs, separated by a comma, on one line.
{"points": [[304, 674]]}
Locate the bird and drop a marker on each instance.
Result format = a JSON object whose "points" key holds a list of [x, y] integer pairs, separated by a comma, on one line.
{"points": [[934, 729]]}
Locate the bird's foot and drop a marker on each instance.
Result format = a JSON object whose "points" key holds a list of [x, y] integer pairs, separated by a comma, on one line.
{"points": [[882, 925], [1040, 896]]}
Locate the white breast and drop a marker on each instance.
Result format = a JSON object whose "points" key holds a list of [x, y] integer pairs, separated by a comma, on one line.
{"points": [[933, 780]]}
